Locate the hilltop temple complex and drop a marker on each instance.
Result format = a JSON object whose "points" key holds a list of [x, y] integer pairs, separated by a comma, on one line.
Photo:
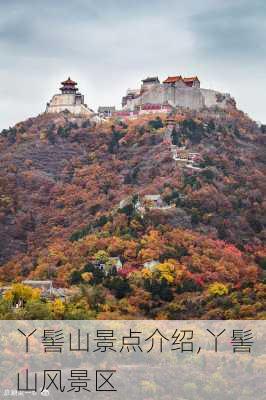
{"points": [[152, 97], [69, 99], [174, 91]]}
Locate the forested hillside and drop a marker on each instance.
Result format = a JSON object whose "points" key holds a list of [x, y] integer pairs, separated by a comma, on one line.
{"points": [[69, 195]]}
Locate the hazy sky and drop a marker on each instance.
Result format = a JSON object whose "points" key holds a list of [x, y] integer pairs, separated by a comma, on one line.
{"points": [[109, 46]]}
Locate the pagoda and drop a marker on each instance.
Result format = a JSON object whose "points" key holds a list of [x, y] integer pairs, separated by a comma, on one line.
{"points": [[69, 100], [68, 86]]}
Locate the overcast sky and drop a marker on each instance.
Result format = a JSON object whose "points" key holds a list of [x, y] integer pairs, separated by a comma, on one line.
{"points": [[108, 46]]}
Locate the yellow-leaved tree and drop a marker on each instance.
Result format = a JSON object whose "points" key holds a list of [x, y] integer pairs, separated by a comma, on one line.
{"points": [[21, 294], [58, 308], [218, 289]]}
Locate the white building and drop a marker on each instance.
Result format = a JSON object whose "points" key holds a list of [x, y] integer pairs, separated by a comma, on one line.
{"points": [[113, 264], [106, 111], [154, 200], [151, 264], [46, 287], [69, 100]]}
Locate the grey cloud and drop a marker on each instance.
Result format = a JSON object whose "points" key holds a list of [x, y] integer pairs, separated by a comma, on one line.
{"points": [[236, 31], [109, 45]]}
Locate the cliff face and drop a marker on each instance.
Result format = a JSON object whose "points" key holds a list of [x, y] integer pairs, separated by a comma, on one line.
{"points": [[59, 173]]}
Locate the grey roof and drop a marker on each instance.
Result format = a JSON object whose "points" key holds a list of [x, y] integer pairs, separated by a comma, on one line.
{"points": [[106, 108], [151, 79]]}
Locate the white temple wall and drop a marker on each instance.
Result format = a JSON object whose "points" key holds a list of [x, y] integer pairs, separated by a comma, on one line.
{"points": [[63, 99], [194, 97], [77, 109], [62, 102]]}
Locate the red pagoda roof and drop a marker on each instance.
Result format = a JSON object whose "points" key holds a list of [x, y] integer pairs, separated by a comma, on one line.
{"points": [[191, 79], [173, 79], [69, 82], [188, 81]]}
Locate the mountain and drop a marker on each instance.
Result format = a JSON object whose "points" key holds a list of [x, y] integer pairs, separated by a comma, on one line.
{"points": [[73, 193]]}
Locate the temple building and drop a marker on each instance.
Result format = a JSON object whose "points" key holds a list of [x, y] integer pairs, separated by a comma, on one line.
{"points": [[174, 91], [178, 81], [106, 111], [148, 82], [70, 99]]}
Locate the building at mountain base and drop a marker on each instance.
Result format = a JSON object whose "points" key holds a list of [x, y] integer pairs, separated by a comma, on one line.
{"points": [[106, 111], [70, 99], [175, 91]]}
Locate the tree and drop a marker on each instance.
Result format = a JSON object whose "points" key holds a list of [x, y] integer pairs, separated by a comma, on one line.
{"points": [[75, 277], [217, 289], [101, 256], [156, 123], [87, 276], [263, 128], [37, 310], [192, 130], [175, 138], [57, 308], [21, 294], [119, 286]]}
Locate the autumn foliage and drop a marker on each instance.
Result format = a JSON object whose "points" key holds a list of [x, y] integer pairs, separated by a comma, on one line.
{"points": [[62, 180]]}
